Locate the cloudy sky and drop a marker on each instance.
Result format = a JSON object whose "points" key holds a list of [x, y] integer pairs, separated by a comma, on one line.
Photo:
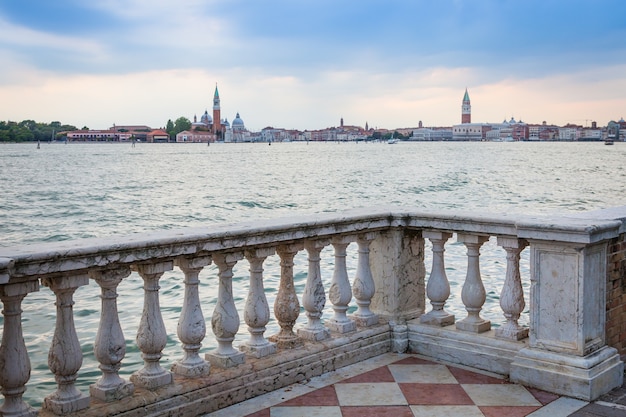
{"points": [[306, 63]]}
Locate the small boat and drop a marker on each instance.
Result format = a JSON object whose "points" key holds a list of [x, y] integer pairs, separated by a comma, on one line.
{"points": [[392, 141], [608, 142]]}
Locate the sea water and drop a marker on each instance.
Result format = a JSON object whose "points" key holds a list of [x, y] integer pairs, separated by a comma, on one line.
{"points": [[78, 190]]}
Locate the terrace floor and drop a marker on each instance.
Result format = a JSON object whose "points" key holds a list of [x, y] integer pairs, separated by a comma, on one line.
{"points": [[403, 385]]}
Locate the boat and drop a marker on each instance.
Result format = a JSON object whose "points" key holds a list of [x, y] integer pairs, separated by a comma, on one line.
{"points": [[608, 142], [392, 141]]}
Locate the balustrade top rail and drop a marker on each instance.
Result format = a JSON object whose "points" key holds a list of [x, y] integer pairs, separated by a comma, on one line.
{"points": [[21, 262]]}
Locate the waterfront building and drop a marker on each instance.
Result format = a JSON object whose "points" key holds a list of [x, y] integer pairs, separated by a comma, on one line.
{"points": [[543, 131], [432, 134], [470, 131]]}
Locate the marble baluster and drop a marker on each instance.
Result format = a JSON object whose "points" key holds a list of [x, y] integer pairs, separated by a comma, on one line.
{"points": [[14, 360], [363, 286], [438, 287], [314, 297], [286, 305], [65, 356], [473, 293], [225, 320], [512, 296], [151, 334], [257, 310], [340, 293], [191, 327], [110, 345]]}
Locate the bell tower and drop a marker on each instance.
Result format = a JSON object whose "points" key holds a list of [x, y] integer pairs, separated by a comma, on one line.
{"points": [[466, 109], [217, 121]]}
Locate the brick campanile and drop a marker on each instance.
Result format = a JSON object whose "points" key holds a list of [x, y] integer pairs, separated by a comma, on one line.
{"points": [[217, 121], [466, 109]]}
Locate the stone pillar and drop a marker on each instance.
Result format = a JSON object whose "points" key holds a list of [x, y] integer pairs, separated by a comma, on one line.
{"points": [[473, 293], [191, 328], [14, 361], [512, 296], [438, 287], [364, 287], [225, 320], [110, 345], [340, 293], [567, 351], [151, 334], [314, 297], [257, 310], [65, 357], [397, 265], [286, 305]]}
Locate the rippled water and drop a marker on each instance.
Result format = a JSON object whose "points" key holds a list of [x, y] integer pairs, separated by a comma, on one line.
{"points": [[88, 190]]}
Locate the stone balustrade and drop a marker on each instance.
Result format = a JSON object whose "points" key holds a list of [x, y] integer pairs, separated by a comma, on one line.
{"points": [[394, 302]]}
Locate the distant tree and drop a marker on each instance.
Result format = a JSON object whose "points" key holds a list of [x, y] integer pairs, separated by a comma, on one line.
{"points": [[84, 128], [182, 123], [169, 128]]}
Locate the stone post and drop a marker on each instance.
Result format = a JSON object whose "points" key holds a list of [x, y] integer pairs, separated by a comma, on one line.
{"points": [[340, 293], [257, 310], [314, 297], [14, 361], [438, 287], [151, 334], [512, 296], [225, 319], [364, 287], [65, 357], [473, 293], [286, 305], [191, 328], [110, 345]]}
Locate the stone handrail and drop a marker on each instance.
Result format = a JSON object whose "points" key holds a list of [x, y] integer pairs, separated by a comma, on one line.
{"points": [[562, 350]]}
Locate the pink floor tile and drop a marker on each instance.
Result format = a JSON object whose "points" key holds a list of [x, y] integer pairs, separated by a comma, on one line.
{"points": [[430, 394], [542, 396], [499, 411], [385, 411], [381, 374], [469, 377], [322, 397]]}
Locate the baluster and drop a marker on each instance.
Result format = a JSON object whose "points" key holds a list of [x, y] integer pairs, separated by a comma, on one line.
{"points": [[473, 293], [286, 305], [151, 334], [257, 310], [314, 297], [110, 345], [225, 320], [438, 287], [65, 356], [363, 286], [14, 361], [512, 296], [191, 327], [340, 292]]}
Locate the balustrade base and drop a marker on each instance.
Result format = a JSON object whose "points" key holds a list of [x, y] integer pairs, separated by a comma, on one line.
{"points": [[512, 334], [259, 351], [314, 335], [191, 370], [341, 326], [366, 321], [474, 326], [226, 361], [584, 377], [438, 319], [22, 410], [151, 381], [115, 393], [286, 342], [65, 406]]}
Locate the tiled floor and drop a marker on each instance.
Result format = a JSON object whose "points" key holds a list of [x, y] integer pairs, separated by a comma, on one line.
{"points": [[405, 386]]}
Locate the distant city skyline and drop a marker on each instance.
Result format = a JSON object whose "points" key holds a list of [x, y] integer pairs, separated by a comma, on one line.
{"points": [[302, 65]]}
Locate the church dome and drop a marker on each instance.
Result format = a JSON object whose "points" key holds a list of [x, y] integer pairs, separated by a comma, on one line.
{"points": [[238, 123], [206, 118]]}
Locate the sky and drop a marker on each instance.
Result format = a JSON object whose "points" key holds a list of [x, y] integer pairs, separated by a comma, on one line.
{"points": [[305, 64]]}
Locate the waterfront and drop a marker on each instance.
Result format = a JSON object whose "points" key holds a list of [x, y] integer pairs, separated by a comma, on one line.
{"points": [[98, 190]]}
